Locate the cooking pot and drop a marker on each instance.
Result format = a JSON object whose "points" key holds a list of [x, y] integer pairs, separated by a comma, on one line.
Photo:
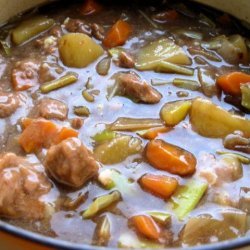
{"points": [[13, 238]]}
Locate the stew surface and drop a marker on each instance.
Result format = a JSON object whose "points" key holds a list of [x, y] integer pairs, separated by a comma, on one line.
{"points": [[126, 124]]}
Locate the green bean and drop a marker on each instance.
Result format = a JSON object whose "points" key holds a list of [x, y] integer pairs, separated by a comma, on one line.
{"points": [[174, 68], [100, 203], [81, 111], [87, 96], [102, 232], [209, 55], [30, 28], [102, 68], [133, 124], [200, 60], [59, 83], [159, 82], [186, 84]]}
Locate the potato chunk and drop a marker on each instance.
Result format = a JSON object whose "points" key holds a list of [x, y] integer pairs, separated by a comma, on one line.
{"points": [[78, 50]]}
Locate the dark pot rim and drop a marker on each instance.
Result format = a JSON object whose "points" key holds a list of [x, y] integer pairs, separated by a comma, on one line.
{"points": [[64, 245]]}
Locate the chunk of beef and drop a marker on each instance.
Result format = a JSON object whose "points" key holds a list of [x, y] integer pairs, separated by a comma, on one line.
{"points": [[52, 109], [125, 60], [24, 75], [131, 85], [77, 25], [97, 31], [49, 72], [71, 163], [8, 104], [22, 185]]}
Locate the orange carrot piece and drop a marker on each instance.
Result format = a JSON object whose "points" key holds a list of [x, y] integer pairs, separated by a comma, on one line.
{"points": [[154, 132], [90, 7], [64, 134], [159, 185], [25, 122], [37, 135], [230, 83], [118, 34], [146, 226], [168, 157]]}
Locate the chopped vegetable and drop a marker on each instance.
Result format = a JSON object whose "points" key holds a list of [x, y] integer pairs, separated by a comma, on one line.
{"points": [[128, 240], [159, 185], [78, 50], [243, 159], [160, 217], [189, 33], [90, 7], [152, 133], [207, 82], [66, 80], [173, 113], [132, 124], [163, 50], [207, 54], [105, 135], [187, 197], [167, 67], [64, 133], [118, 34], [101, 203], [210, 120], [88, 96], [6, 47], [102, 68], [244, 202], [81, 111], [115, 52], [159, 82], [231, 83], [186, 84], [118, 149], [168, 157], [30, 28], [245, 94], [102, 232], [146, 226]]}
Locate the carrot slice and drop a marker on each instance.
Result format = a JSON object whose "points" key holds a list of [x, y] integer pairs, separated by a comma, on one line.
{"points": [[90, 7], [168, 157], [152, 133], [230, 83], [118, 34], [64, 134], [37, 135], [159, 185], [146, 226]]}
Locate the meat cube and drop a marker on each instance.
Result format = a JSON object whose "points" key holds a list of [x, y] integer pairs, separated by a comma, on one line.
{"points": [[71, 163], [131, 85], [22, 185], [52, 109], [49, 72], [125, 60], [77, 25], [24, 75], [8, 104], [97, 31]]}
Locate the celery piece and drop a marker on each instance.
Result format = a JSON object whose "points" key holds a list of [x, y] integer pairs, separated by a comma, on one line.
{"points": [[187, 197], [207, 54], [245, 94], [105, 135], [129, 240], [118, 149], [102, 67], [242, 158], [160, 217], [162, 50], [111, 178], [133, 124], [174, 112], [102, 232], [66, 80], [101, 203], [167, 67], [30, 28], [186, 84]]}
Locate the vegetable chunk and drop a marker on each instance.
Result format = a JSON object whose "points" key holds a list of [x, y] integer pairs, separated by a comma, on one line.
{"points": [[78, 50]]}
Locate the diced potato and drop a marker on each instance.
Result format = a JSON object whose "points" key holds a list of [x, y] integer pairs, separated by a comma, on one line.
{"points": [[30, 28], [160, 50], [78, 50], [174, 112], [199, 229], [210, 120], [118, 149]]}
